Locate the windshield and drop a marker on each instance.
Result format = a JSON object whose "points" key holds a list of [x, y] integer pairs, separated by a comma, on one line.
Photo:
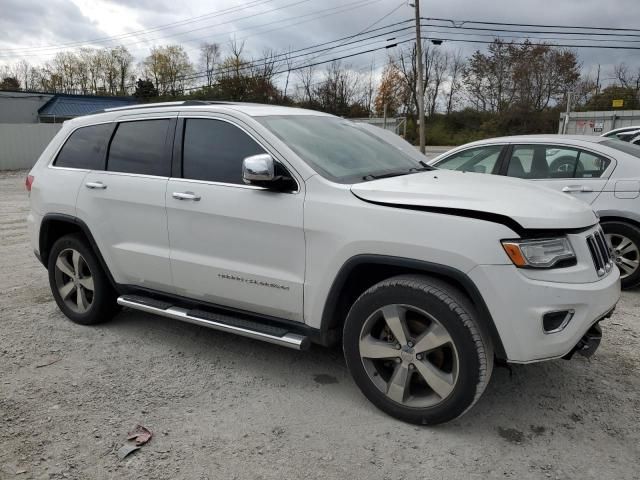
{"points": [[337, 149], [625, 147]]}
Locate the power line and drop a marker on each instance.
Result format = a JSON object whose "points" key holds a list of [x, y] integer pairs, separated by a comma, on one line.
{"points": [[461, 22], [298, 2], [392, 11], [261, 62], [433, 27], [296, 20], [268, 60], [335, 59], [523, 44], [198, 18], [460, 27]]}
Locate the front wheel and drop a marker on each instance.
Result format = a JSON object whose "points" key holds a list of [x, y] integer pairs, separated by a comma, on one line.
{"points": [[415, 350], [624, 239]]}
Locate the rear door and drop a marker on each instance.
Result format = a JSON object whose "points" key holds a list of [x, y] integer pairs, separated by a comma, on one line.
{"points": [[124, 203], [572, 170], [233, 244]]}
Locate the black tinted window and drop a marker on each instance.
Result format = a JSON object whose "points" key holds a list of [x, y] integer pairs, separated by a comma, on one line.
{"points": [[213, 150], [139, 147], [85, 148]]}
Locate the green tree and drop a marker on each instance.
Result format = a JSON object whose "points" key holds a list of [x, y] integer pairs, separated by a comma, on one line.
{"points": [[9, 83]]}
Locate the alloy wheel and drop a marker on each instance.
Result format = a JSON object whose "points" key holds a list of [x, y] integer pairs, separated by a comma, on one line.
{"points": [[74, 280], [409, 355], [625, 253]]}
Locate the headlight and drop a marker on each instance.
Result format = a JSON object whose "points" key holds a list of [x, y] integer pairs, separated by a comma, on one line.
{"points": [[544, 253]]}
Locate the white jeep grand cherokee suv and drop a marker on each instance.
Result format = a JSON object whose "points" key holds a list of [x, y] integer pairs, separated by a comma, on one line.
{"points": [[293, 226]]}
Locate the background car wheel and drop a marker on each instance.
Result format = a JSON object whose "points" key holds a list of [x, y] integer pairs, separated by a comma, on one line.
{"points": [[79, 285], [624, 239], [415, 350]]}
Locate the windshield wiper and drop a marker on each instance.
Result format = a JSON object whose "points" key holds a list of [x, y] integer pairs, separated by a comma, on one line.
{"points": [[398, 173]]}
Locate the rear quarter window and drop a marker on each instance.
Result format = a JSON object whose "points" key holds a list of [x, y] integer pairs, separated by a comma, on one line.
{"points": [[85, 148]]}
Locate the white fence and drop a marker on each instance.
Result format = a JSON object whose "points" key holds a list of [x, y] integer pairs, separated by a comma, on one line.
{"points": [[597, 123], [22, 143], [392, 124]]}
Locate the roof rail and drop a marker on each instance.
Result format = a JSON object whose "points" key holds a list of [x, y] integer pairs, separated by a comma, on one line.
{"points": [[181, 103], [157, 104]]}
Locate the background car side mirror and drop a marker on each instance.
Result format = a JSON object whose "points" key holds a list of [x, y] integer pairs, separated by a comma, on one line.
{"points": [[258, 169]]}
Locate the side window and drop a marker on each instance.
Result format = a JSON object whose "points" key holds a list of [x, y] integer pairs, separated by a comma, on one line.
{"points": [[590, 165], [480, 159], [139, 147], [542, 161], [213, 150], [85, 148]]}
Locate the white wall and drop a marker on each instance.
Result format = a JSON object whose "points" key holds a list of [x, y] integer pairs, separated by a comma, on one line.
{"points": [[22, 143], [21, 107]]}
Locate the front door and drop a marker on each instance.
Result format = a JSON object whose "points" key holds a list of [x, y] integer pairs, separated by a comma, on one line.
{"points": [[233, 244]]}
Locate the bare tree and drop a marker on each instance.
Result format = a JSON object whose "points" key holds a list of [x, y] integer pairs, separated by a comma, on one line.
{"points": [[289, 63], [209, 58], [306, 76], [439, 62], [456, 67], [122, 61], [628, 78]]}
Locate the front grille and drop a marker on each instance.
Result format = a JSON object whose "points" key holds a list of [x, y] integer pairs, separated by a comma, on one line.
{"points": [[600, 252]]}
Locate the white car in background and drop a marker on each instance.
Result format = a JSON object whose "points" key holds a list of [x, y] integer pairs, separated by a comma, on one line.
{"points": [[601, 171], [626, 134]]}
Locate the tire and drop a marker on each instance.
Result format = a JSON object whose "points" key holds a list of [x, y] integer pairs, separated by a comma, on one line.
{"points": [[392, 374], [73, 270], [627, 258]]}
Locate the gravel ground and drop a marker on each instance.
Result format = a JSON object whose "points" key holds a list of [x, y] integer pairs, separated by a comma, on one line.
{"points": [[226, 407]]}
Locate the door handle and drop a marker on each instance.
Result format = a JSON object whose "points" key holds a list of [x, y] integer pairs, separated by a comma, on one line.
{"points": [[578, 188], [186, 196], [95, 185]]}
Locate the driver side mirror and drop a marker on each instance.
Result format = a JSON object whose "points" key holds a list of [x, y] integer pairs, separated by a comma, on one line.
{"points": [[263, 171], [258, 169]]}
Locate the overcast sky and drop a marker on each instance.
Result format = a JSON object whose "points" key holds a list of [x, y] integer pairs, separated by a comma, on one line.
{"points": [[35, 30]]}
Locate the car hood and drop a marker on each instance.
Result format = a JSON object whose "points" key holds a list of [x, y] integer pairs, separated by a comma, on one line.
{"points": [[519, 204]]}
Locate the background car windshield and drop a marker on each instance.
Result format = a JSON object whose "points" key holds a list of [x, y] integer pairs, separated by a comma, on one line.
{"points": [[337, 148]]}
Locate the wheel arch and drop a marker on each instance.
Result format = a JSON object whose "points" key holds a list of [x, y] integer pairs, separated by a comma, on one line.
{"points": [[56, 225], [615, 216], [363, 271]]}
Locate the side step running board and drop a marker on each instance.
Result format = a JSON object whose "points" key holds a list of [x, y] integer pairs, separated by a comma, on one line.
{"points": [[218, 321]]}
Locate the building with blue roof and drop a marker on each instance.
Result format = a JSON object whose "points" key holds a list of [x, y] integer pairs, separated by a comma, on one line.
{"points": [[37, 107], [64, 107]]}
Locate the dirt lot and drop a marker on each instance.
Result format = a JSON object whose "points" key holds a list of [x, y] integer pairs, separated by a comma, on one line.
{"points": [[225, 407]]}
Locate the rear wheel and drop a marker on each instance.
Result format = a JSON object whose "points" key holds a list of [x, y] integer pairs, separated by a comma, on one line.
{"points": [[415, 350], [79, 285], [624, 239]]}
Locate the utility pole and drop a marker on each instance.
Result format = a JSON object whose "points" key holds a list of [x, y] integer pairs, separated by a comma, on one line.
{"points": [[384, 121], [420, 92], [568, 113]]}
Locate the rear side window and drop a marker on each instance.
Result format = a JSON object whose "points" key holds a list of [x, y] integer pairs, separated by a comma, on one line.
{"points": [[552, 161], [213, 150], [85, 148], [139, 147]]}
